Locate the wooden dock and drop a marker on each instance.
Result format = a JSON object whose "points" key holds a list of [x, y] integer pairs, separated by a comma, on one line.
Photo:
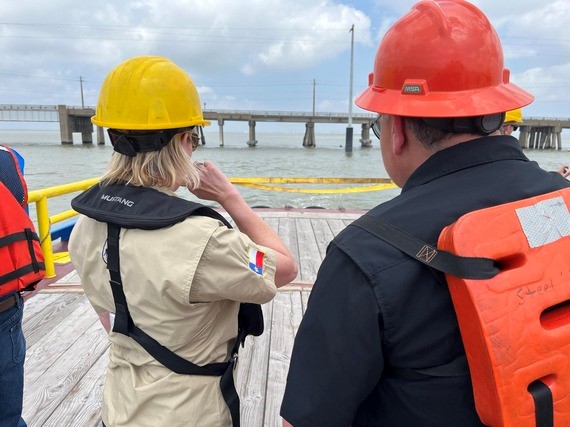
{"points": [[67, 346]]}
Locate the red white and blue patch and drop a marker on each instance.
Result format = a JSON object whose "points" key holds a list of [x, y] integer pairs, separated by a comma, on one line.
{"points": [[256, 260]]}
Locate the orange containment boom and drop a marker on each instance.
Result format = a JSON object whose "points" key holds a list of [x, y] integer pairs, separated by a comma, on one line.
{"points": [[516, 325]]}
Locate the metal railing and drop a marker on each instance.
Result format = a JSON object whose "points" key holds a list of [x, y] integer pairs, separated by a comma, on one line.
{"points": [[40, 197]]}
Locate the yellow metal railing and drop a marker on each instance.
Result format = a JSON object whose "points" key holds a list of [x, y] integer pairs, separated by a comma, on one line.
{"points": [[39, 197]]}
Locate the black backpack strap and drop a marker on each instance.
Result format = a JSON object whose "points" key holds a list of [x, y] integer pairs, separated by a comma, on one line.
{"points": [[447, 262], [124, 324], [543, 404], [458, 367]]}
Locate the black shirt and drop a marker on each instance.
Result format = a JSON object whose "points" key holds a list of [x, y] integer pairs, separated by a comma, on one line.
{"points": [[373, 308]]}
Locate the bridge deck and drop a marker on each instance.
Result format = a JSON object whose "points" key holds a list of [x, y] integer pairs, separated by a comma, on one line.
{"points": [[67, 347]]}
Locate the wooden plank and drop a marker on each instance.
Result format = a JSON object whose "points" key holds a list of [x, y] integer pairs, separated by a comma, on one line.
{"points": [[336, 225], [314, 213], [347, 222], [287, 314], [309, 257], [71, 277], [51, 315], [253, 373], [47, 351], [323, 234], [82, 405], [37, 303], [57, 382]]}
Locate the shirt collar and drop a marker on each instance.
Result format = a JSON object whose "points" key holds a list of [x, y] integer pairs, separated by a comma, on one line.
{"points": [[465, 155]]}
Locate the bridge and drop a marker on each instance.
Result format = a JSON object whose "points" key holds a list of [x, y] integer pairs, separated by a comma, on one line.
{"points": [[78, 119], [536, 133]]}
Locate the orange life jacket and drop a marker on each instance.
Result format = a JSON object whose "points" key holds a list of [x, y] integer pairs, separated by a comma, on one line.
{"points": [[508, 272], [515, 326], [21, 257]]}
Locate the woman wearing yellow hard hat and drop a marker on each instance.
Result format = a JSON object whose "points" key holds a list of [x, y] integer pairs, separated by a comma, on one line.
{"points": [[512, 121], [173, 274]]}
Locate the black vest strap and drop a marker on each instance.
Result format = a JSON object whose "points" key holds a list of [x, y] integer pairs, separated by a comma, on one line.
{"points": [[9, 239], [465, 267], [458, 367], [543, 404], [124, 324]]}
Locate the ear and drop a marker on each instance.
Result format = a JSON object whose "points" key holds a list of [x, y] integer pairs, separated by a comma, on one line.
{"points": [[398, 135], [186, 143]]}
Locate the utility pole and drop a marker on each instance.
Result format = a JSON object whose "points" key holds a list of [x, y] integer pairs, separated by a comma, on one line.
{"points": [[314, 84], [81, 86], [348, 143]]}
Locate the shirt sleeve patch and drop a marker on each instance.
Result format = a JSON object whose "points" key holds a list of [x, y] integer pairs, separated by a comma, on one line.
{"points": [[256, 260]]}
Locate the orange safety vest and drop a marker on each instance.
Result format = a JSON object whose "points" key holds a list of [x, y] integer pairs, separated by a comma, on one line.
{"points": [[21, 257], [515, 326]]}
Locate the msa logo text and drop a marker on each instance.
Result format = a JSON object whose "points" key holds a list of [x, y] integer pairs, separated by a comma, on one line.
{"points": [[117, 199]]}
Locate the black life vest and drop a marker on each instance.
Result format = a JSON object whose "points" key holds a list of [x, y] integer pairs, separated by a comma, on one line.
{"points": [[21, 258], [127, 206]]}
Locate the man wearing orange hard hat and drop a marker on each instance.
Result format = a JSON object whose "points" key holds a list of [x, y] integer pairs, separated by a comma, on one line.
{"points": [[379, 343]]}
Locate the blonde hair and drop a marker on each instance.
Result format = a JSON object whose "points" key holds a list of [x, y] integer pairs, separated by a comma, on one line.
{"points": [[169, 167]]}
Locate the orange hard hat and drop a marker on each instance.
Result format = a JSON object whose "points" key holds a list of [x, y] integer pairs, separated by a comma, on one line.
{"points": [[442, 59]]}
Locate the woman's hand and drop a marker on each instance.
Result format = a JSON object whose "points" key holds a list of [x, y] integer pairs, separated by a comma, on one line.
{"points": [[214, 185]]}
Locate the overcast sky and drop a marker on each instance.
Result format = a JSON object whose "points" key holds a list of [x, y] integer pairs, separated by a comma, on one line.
{"points": [[253, 54]]}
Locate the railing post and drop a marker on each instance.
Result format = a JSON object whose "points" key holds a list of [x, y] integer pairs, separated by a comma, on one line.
{"points": [[45, 236]]}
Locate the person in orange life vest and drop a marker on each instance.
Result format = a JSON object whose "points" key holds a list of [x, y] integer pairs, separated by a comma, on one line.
{"points": [[183, 283], [441, 91], [15, 276]]}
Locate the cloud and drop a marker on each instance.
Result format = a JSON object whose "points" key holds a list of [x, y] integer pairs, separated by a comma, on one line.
{"points": [[210, 38], [251, 54], [546, 83]]}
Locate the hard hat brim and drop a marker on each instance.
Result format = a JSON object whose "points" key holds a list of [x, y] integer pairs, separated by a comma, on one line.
{"points": [[131, 126], [476, 102]]}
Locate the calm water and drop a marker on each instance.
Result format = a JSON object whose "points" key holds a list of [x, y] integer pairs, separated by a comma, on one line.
{"points": [[49, 163]]}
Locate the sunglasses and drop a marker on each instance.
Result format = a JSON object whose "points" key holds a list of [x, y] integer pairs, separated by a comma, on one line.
{"points": [[195, 135], [375, 126]]}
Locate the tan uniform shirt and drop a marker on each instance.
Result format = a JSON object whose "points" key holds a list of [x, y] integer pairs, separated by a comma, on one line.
{"points": [[183, 285]]}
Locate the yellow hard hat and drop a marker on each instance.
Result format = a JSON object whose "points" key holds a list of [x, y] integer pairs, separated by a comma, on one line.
{"points": [[148, 93], [513, 117]]}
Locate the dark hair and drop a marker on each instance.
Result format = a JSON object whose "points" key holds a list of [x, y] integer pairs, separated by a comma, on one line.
{"points": [[430, 137]]}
